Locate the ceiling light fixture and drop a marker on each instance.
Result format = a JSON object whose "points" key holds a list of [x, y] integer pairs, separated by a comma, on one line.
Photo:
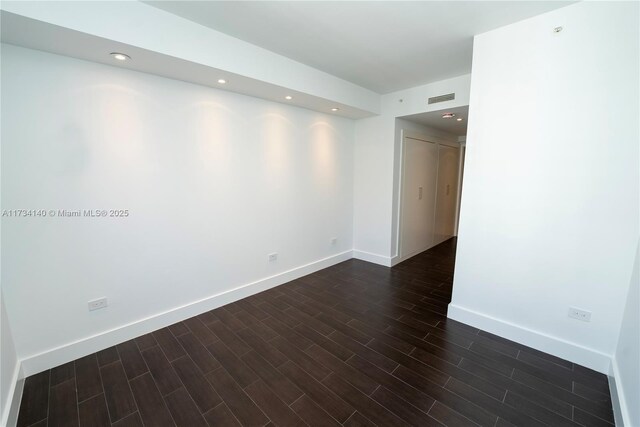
{"points": [[459, 119], [288, 97], [335, 109], [222, 81], [448, 115], [120, 56]]}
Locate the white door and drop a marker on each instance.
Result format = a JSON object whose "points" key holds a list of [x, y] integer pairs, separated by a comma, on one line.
{"points": [[417, 211], [447, 193]]}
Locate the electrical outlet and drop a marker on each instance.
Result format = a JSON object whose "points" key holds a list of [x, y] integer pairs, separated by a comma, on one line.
{"points": [[273, 257], [334, 240], [97, 304], [583, 315]]}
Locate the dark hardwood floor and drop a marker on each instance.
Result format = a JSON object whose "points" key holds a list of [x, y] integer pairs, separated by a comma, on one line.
{"points": [[355, 344]]}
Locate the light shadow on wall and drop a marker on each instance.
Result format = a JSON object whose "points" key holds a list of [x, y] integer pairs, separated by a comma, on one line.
{"points": [[323, 153], [277, 146], [213, 127]]}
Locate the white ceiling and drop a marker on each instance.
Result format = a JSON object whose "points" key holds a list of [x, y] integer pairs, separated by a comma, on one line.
{"points": [[91, 30], [433, 119], [383, 46]]}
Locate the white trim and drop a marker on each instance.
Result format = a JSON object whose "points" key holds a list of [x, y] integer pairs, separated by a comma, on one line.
{"points": [[399, 258], [374, 258], [395, 260], [10, 416], [461, 155], [416, 136], [82, 347], [411, 134], [438, 141], [555, 346], [400, 198], [620, 407]]}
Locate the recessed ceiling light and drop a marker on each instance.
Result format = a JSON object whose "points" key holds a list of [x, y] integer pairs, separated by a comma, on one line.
{"points": [[222, 81], [289, 97], [448, 115], [335, 109], [120, 56], [459, 119]]}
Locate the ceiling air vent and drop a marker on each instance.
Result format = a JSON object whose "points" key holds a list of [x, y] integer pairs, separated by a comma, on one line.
{"points": [[442, 98]]}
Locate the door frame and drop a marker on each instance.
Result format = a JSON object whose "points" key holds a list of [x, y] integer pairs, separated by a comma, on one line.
{"points": [[404, 133]]}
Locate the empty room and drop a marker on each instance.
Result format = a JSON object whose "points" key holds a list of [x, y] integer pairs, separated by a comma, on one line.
{"points": [[320, 213]]}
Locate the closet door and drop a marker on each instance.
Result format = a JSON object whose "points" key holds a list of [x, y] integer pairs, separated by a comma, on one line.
{"points": [[420, 174], [447, 193]]}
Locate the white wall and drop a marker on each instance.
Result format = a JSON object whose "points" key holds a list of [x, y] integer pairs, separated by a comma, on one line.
{"points": [[373, 188], [549, 215], [214, 182], [8, 364], [377, 164], [626, 364]]}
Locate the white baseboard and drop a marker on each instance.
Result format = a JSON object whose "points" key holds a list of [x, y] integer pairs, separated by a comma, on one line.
{"points": [[374, 258], [10, 415], [620, 405], [400, 258], [397, 259], [555, 346], [74, 350]]}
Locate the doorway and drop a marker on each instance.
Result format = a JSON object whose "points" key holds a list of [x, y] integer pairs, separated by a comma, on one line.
{"points": [[429, 194], [430, 183]]}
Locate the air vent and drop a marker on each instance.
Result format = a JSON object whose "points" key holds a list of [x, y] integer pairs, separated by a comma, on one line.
{"points": [[442, 98]]}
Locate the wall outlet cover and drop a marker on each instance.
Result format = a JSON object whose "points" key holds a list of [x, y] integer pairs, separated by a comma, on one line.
{"points": [[579, 314], [97, 304]]}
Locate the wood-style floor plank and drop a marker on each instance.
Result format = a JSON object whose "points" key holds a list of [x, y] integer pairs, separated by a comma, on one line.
{"points": [[233, 364], [170, 346], [132, 420], [131, 359], [355, 344], [197, 386], [151, 406], [63, 408], [161, 370], [35, 399], [108, 355], [221, 416], [364, 404], [279, 413], [310, 412], [62, 373], [198, 353], [117, 391], [240, 404], [320, 394], [93, 412], [88, 379], [281, 385], [184, 410]]}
